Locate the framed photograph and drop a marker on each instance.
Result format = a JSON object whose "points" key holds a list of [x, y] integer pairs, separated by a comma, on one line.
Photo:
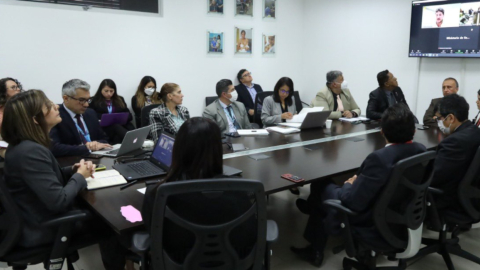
{"points": [[215, 42], [244, 7], [268, 44], [243, 40], [215, 6], [269, 7]]}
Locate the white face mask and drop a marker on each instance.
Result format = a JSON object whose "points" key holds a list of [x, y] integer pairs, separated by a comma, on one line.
{"points": [[234, 96], [149, 91], [344, 85], [445, 130]]}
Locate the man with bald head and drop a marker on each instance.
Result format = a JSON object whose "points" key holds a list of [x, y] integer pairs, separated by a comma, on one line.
{"points": [[449, 86]]}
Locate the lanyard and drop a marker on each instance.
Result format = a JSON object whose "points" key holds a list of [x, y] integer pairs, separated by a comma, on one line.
{"points": [[109, 108], [86, 136]]}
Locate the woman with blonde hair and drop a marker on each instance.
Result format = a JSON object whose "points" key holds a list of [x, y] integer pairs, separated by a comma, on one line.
{"points": [[170, 115]]}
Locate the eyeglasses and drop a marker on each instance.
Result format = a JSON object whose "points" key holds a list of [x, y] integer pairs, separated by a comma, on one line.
{"points": [[247, 74], [81, 100], [15, 88], [284, 92]]}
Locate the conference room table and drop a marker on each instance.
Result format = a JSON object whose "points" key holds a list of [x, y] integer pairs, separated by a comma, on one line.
{"points": [[314, 154]]}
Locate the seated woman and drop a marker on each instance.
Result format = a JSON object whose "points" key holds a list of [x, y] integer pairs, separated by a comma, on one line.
{"points": [[146, 95], [198, 154], [39, 186], [169, 116], [9, 87], [106, 100], [281, 105]]}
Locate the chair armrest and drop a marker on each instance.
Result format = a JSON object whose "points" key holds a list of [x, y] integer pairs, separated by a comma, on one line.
{"points": [[141, 242], [272, 231], [68, 217], [435, 191], [337, 204]]}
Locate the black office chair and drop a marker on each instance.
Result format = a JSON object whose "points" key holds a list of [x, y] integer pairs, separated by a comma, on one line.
{"points": [[398, 216], [456, 220], [213, 248], [257, 109], [299, 104], [53, 255], [210, 100], [145, 120]]}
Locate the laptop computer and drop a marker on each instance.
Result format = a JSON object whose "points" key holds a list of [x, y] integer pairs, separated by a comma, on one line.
{"points": [[109, 119], [131, 144], [312, 120]]}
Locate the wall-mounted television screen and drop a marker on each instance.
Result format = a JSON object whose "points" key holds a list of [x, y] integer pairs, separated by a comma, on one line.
{"points": [[445, 29]]}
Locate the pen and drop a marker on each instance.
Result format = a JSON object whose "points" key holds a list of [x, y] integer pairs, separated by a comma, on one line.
{"points": [[128, 185]]}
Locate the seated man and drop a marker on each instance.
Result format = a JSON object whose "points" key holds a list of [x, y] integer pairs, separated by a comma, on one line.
{"points": [[476, 121], [359, 192], [229, 114], [336, 97], [247, 91], [456, 151], [79, 132], [386, 95], [449, 86]]}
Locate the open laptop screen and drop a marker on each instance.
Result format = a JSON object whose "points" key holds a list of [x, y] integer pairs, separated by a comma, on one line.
{"points": [[163, 150]]}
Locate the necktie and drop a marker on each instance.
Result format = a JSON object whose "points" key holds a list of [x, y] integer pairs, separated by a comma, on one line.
{"points": [[391, 99], [478, 122], [232, 116], [82, 127], [339, 104]]}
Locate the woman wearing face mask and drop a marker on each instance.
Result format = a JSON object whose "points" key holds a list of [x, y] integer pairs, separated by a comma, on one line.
{"points": [[170, 115], [280, 106], [106, 100], [146, 95], [336, 97]]}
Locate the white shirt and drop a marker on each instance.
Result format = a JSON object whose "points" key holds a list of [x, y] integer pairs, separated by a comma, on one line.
{"points": [[72, 114], [231, 126]]}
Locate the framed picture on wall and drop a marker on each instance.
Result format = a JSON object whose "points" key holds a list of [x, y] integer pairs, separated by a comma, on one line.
{"points": [[268, 44], [269, 7], [215, 6], [244, 7], [215, 41], [243, 40]]}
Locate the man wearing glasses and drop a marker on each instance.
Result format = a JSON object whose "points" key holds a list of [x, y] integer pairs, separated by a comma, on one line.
{"points": [[247, 91], [79, 132]]}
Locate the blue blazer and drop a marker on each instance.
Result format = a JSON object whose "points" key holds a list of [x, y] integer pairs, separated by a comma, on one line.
{"points": [[66, 140]]}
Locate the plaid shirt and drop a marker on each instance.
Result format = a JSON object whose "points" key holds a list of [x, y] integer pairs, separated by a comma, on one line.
{"points": [[161, 120]]}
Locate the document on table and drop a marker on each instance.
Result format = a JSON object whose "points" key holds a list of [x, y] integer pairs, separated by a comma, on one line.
{"points": [[105, 179], [284, 130], [252, 132], [142, 190], [3, 144], [298, 118], [360, 118]]}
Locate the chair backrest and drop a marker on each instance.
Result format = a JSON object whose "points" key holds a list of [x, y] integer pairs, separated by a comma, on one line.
{"points": [[298, 101], [216, 213], [401, 207], [146, 115], [11, 224], [469, 189], [257, 109], [210, 100]]}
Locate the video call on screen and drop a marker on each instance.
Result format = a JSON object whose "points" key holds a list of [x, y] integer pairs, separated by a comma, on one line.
{"points": [[163, 151], [445, 29]]}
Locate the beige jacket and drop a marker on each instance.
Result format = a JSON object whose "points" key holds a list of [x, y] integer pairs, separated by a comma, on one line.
{"points": [[324, 98]]}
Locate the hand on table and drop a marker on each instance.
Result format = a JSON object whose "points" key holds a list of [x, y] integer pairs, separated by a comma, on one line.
{"points": [[347, 114], [287, 115], [95, 146], [251, 111], [85, 168]]}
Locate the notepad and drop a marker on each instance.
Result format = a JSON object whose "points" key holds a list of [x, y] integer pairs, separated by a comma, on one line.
{"points": [[105, 179], [244, 132]]}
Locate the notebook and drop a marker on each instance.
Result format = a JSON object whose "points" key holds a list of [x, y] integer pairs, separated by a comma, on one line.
{"points": [[105, 179]]}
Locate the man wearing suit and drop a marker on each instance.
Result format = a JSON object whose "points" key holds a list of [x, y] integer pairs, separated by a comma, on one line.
{"points": [[386, 95], [247, 91], [456, 151], [79, 133], [476, 121], [449, 86], [336, 97], [229, 114], [359, 192]]}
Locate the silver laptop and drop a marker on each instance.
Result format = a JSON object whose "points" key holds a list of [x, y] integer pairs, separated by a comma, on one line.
{"points": [[131, 144], [312, 120]]}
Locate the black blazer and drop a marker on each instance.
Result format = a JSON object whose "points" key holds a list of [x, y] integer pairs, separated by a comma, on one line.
{"points": [[245, 97], [454, 155], [66, 140], [101, 109], [40, 188], [378, 102]]}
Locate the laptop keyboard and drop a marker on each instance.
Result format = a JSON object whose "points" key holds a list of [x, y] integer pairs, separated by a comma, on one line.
{"points": [[144, 168]]}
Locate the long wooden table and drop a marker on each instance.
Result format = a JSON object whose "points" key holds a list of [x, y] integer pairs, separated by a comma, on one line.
{"points": [[336, 151]]}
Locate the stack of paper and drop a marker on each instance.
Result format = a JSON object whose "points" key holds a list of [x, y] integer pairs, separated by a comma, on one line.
{"points": [[105, 179], [244, 132], [298, 118], [284, 130], [360, 118]]}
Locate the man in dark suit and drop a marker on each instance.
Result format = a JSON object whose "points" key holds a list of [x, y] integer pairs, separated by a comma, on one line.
{"points": [[449, 86], [79, 133], [247, 91], [359, 192], [456, 151], [476, 121], [386, 95]]}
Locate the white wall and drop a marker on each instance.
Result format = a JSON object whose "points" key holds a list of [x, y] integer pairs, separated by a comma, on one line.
{"points": [[362, 38], [44, 47]]}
